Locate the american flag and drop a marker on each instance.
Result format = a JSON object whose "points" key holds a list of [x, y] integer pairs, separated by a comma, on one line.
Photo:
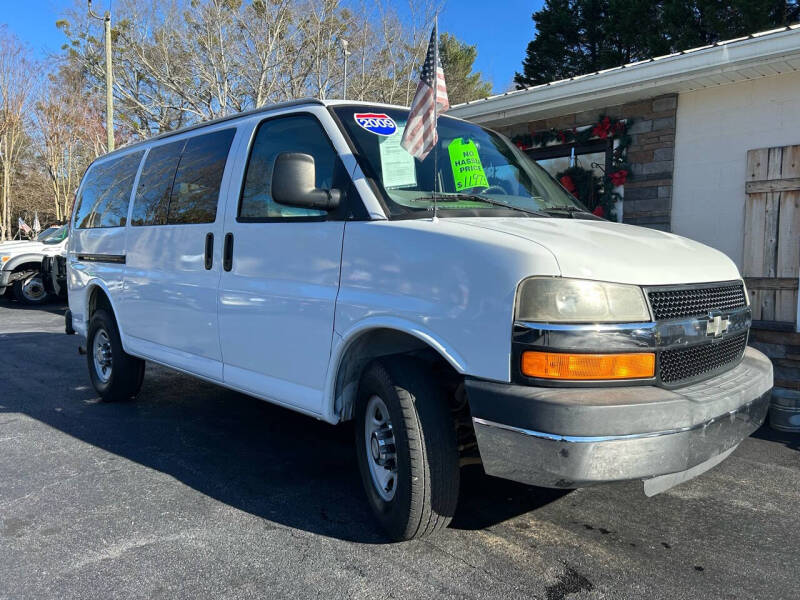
{"points": [[22, 225], [420, 136]]}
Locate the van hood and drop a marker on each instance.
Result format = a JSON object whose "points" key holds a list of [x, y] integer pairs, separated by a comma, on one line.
{"points": [[606, 251]]}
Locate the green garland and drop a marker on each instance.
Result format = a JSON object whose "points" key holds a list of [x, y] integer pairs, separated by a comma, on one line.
{"points": [[597, 193]]}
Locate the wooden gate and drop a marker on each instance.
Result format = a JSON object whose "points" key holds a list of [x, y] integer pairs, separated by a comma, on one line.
{"points": [[772, 233]]}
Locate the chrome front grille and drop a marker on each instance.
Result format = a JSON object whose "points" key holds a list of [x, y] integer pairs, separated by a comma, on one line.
{"points": [[690, 301], [690, 363]]}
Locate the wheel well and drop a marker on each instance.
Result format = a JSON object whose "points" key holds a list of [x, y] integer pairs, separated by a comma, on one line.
{"points": [[98, 299], [379, 343], [23, 270], [28, 266]]}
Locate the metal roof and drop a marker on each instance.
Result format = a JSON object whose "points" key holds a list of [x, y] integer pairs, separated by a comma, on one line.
{"points": [[750, 57]]}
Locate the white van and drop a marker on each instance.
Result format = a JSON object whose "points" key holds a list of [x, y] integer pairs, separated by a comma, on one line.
{"points": [[296, 253]]}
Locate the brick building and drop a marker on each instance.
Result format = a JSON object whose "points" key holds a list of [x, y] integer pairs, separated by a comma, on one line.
{"points": [[648, 193]]}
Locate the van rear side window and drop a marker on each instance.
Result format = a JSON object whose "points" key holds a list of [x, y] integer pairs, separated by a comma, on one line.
{"points": [[195, 192], [106, 193], [180, 182], [155, 184]]}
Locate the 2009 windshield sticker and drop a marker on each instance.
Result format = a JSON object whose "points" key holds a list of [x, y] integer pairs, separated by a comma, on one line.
{"points": [[377, 123]]}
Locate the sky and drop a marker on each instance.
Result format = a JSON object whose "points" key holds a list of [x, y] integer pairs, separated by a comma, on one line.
{"points": [[501, 29]]}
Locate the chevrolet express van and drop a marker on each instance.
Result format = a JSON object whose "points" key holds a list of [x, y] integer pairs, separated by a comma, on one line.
{"points": [[298, 254]]}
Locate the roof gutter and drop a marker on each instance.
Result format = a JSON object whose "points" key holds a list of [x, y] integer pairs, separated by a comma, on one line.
{"points": [[658, 75]]}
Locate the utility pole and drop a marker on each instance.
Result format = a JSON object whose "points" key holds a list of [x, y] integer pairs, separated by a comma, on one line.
{"points": [[106, 18], [346, 53]]}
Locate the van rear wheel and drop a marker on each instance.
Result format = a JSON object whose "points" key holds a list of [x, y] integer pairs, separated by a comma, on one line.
{"points": [[115, 374], [406, 448]]}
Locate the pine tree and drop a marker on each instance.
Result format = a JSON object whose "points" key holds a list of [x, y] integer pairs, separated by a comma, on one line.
{"points": [[575, 37], [458, 59]]}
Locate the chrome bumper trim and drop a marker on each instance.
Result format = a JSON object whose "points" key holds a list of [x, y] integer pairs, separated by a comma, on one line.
{"points": [[575, 439], [617, 434], [561, 463]]}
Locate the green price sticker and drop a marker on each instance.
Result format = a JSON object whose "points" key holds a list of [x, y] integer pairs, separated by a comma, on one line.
{"points": [[467, 168]]}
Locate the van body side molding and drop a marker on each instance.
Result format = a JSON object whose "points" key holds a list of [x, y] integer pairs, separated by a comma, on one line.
{"points": [[106, 258]]}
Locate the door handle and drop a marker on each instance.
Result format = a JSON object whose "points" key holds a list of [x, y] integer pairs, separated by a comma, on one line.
{"points": [[227, 252], [209, 251]]}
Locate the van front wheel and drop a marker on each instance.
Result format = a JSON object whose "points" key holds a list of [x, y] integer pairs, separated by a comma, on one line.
{"points": [[30, 290], [115, 374], [406, 448]]}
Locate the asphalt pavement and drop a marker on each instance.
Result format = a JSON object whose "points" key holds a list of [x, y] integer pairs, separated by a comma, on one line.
{"points": [[193, 491]]}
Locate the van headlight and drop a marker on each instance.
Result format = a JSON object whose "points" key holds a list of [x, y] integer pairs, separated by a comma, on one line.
{"points": [[557, 300]]}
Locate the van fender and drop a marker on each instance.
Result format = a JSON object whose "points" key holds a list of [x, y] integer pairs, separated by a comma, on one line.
{"points": [[344, 341], [83, 316]]}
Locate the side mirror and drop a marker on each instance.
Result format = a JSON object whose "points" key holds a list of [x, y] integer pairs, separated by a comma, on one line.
{"points": [[294, 180]]}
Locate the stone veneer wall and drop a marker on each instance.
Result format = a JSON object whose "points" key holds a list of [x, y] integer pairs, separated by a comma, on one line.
{"points": [[648, 194]]}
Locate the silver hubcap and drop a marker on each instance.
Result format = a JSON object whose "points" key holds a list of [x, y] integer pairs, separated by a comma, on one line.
{"points": [[381, 453], [33, 288], [101, 352]]}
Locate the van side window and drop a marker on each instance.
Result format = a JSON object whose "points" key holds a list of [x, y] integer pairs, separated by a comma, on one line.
{"points": [[195, 192], [155, 184], [106, 193], [297, 133]]}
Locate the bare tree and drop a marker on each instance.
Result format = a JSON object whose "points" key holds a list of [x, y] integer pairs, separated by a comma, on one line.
{"points": [[180, 61], [265, 33], [69, 129], [17, 78]]}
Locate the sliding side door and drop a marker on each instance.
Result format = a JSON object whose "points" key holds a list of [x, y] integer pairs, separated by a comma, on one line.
{"points": [[174, 253]]}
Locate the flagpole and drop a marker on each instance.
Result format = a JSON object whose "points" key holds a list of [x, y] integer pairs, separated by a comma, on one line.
{"points": [[435, 112]]}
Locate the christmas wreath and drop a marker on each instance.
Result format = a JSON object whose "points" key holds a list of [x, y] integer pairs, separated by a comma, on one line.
{"points": [[595, 192]]}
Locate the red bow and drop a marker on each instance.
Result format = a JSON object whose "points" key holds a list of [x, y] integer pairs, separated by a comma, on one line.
{"points": [[602, 129], [567, 182], [619, 177]]}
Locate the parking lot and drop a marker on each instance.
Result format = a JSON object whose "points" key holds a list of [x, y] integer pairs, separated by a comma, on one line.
{"points": [[194, 491]]}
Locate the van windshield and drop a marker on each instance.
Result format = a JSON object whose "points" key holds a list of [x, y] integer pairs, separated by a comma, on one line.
{"points": [[479, 172]]}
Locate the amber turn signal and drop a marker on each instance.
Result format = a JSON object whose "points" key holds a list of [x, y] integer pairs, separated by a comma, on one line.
{"points": [[555, 365]]}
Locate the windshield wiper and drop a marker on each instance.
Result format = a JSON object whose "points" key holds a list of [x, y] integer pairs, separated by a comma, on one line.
{"points": [[570, 210], [476, 197]]}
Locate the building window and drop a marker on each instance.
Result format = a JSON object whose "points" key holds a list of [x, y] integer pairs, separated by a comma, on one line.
{"points": [[590, 162]]}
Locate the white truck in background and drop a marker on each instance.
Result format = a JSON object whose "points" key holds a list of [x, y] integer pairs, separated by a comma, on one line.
{"points": [[21, 261]]}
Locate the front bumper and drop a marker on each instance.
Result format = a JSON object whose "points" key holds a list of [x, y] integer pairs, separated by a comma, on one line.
{"points": [[574, 437], [4, 280]]}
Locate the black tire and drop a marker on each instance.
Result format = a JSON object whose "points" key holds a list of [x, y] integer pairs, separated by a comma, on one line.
{"points": [[30, 290], [123, 379], [425, 494]]}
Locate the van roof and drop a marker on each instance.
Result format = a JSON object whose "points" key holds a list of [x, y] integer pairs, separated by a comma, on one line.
{"points": [[254, 111]]}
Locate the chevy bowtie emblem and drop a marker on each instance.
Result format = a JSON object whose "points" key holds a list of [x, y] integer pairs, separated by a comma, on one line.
{"points": [[716, 325]]}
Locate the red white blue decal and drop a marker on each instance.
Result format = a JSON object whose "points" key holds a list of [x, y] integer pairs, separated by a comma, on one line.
{"points": [[378, 123]]}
